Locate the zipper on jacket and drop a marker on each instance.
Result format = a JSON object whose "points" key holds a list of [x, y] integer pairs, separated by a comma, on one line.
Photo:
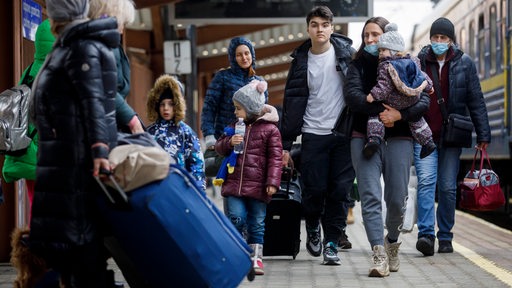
{"points": [[246, 136]]}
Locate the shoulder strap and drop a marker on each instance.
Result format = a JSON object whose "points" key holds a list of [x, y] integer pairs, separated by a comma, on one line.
{"points": [[27, 79], [33, 133], [440, 99]]}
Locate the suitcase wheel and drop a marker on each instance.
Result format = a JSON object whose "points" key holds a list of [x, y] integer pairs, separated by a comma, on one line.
{"points": [[251, 274]]}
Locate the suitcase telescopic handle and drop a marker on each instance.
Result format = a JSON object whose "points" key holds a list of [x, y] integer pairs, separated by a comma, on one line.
{"points": [[109, 192]]}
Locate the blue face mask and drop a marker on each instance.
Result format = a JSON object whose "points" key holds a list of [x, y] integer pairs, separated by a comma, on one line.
{"points": [[372, 49], [439, 48]]}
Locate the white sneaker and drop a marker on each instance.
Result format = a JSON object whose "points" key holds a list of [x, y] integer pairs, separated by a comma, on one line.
{"points": [[392, 251], [380, 266]]}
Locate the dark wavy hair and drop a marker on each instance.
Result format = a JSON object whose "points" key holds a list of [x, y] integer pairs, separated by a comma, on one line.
{"points": [[380, 21], [320, 11]]}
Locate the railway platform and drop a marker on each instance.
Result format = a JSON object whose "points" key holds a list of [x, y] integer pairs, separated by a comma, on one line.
{"points": [[482, 258]]}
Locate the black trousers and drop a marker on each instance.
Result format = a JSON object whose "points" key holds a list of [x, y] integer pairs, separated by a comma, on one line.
{"points": [[328, 176]]}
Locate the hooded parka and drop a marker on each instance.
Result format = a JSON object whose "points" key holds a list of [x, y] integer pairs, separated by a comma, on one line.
{"points": [[175, 136], [218, 109]]}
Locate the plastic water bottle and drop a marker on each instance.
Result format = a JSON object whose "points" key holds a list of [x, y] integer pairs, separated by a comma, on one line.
{"points": [[240, 130]]}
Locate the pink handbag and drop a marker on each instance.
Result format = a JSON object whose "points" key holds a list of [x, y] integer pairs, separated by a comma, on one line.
{"points": [[480, 189]]}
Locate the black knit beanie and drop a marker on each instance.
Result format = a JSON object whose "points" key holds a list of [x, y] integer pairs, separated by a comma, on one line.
{"points": [[166, 94], [443, 26]]}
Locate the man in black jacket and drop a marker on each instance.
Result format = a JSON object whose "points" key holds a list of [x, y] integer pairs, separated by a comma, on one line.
{"points": [[313, 100], [459, 86]]}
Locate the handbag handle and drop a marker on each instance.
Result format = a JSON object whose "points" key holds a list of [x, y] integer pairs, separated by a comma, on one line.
{"points": [[483, 155]]}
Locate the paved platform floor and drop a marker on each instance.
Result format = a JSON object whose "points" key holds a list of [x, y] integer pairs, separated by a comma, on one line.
{"points": [[482, 258]]}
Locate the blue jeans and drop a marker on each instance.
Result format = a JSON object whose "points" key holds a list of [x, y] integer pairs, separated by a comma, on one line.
{"points": [[441, 168], [328, 176], [248, 215]]}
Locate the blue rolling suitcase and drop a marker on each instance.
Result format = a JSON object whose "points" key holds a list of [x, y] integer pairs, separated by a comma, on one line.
{"points": [[176, 237]]}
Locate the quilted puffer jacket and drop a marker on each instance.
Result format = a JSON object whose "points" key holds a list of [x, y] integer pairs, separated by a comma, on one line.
{"points": [[218, 105], [74, 106], [261, 163], [296, 93], [461, 91]]}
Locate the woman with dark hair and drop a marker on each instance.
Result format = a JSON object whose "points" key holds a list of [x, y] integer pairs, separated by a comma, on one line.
{"points": [[392, 159], [218, 105]]}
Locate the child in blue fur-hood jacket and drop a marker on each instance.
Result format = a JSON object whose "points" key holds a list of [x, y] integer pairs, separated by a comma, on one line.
{"points": [[166, 108]]}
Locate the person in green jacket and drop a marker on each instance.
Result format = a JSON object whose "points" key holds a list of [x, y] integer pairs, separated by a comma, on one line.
{"points": [[24, 166], [124, 11]]}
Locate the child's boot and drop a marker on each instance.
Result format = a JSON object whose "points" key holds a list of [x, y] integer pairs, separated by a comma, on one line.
{"points": [[257, 258]]}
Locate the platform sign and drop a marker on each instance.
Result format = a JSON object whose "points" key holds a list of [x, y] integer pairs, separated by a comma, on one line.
{"points": [[177, 57], [266, 11], [31, 14]]}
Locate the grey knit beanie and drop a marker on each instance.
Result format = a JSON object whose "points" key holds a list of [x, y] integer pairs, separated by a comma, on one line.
{"points": [[252, 96], [67, 10], [391, 39]]}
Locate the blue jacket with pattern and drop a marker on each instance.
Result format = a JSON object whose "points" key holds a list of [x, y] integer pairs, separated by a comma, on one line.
{"points": [[182, 144]]}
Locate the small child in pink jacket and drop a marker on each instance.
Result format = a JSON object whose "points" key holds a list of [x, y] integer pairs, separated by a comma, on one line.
{"points": [[399, 84], [257, 172]]}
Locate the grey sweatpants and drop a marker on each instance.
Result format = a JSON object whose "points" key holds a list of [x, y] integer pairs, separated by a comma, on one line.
{"points": [[393, 159]]}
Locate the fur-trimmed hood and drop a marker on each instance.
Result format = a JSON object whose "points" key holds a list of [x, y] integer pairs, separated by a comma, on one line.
{"points": [[161, 84], [269, 113]]}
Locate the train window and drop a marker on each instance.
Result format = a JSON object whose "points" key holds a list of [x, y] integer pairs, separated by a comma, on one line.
{"points": [[472, 39], [463, 40], [481, 45], [493, 37], [502, 14]]}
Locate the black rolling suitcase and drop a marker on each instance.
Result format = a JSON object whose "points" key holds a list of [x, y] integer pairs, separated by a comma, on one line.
{"points": [[283, 219]]}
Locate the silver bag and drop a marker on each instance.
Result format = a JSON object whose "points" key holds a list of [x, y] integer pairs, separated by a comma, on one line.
{"points": [[14, 107]]}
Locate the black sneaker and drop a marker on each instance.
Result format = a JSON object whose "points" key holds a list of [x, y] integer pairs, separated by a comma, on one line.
{"points": [[331, 255], [371, 147], [343, 242], [313, 242], [427, 149], [425, 245], [445, 246]]}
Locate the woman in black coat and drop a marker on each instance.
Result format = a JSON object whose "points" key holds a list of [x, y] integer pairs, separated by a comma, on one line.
{"points": [[74, 110]]}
